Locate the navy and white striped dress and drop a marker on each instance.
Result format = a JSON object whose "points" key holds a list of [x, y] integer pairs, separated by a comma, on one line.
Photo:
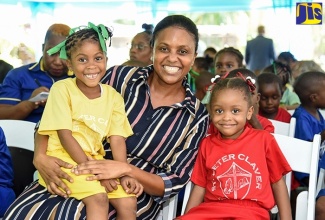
{"points": [[165, 142]]}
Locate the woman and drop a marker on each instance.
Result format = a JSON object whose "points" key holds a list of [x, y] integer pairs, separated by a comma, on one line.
{"points": [[168, 123], [140, 49]]}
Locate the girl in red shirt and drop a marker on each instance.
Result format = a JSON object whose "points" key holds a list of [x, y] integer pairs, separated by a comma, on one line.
{"points": [[238, 172]]}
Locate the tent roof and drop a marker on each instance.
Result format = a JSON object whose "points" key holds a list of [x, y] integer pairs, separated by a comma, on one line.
{"points": [[166, 5]]}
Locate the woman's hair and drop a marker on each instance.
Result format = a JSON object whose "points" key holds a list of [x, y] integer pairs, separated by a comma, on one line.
{"points": [[308, 83], [279, 68], [57, 30], [147, 33], [180, 21], [76, 39], [239, 56], [269, 78], [148, 28], [235, 84]]}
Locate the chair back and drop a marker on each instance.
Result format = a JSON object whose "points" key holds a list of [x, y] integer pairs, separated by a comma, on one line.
{"points": [[283, 128], [303, 157], [20, 141]]}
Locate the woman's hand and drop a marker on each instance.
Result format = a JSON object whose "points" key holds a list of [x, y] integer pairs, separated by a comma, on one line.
{"points": [[131, 185], [102, 169], [50, 170]]}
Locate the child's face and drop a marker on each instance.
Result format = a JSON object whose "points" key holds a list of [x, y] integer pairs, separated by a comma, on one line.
{"points": [[225, 62], [320, 96], [229, 112], [88, 62], [270, 98]]}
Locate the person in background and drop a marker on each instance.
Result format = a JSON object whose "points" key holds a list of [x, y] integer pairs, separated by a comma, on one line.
{"points": [[168, 123], [7, 194], [226, 59], [4, 69], [28, 81], [200, 65], [309, 87], [202, 82], [298, 67], [140, 49], [209, 53], [290, 99], [259, 52], [226, 185], [270, 88]]}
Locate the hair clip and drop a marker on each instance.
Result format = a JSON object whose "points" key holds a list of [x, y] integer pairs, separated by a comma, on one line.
{"points": [[251, 79], [215, 78]]}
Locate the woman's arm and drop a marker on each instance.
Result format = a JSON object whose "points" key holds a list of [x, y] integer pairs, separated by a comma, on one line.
{"points": [[281, 197], [50, 168], [196, 197], [110, 169]]}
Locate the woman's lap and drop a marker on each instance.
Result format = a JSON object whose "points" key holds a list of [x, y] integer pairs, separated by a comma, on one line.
{"points": [[36, 203]]}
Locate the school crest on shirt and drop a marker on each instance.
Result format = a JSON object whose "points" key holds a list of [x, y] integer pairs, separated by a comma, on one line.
{"points": [[235, 181], [235, 175]]}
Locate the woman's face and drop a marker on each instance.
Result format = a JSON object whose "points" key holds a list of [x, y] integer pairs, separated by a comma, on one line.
{"points": [[173, 54], [140, 49]]}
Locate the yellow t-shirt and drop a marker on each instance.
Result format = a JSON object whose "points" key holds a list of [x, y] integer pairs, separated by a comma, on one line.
{"points": [[90, 120]]}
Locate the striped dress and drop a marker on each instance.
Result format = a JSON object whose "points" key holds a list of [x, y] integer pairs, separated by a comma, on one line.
{"points": [[165, 142]]}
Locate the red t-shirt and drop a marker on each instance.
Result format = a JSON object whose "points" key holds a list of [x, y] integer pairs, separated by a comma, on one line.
{"points": [[283, 115], [241, 169]]}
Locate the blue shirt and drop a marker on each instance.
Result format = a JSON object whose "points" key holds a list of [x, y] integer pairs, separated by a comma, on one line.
{"points": [[306, 127], [7, 194], [20, 83]]}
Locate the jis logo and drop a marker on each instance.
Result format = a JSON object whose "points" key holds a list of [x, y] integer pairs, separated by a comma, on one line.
{"points": [[308, 13]]}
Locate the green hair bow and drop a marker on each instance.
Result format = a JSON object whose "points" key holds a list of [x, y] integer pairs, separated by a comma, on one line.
{"points": [[101, 30]]}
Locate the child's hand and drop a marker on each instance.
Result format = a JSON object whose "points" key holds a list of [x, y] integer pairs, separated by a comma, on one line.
{"points": [[110, 185], [131, 185]]}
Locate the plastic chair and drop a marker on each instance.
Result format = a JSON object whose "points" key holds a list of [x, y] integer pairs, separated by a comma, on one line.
{"points": [[284, 128], [321, 175], [20, 141], [169, 209], [187, 192], [296, 150]]}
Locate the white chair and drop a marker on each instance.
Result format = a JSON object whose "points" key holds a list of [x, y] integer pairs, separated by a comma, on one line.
{"points": [[169, 209], [302, 157], [187, 192], [321, 175], [20, 141], [284, 128], [287, 129]]}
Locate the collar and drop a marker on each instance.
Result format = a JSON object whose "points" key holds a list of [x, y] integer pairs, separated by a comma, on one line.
{"points": [[190, 100], [39, 66]]}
